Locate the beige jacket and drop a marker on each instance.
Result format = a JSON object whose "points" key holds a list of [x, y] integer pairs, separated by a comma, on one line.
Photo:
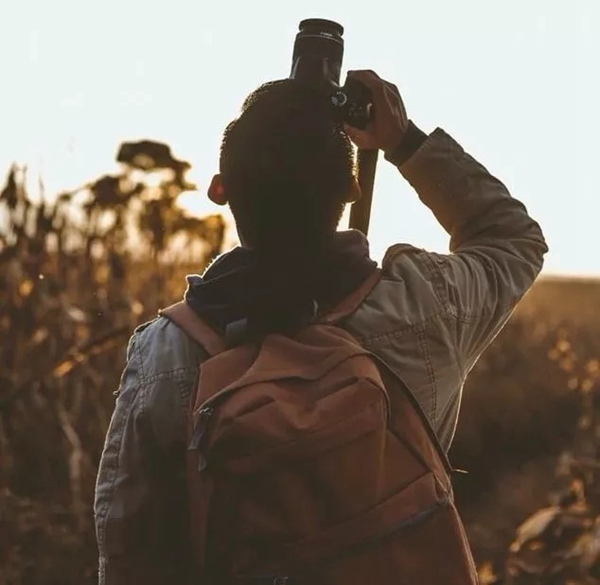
{"points": [[430, 318]]}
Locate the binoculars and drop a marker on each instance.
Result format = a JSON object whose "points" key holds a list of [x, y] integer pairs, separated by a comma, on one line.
{"points": [[317, 60]]}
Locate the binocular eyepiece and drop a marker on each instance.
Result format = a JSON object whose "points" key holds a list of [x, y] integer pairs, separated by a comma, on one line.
{"points": [[317, 60]]}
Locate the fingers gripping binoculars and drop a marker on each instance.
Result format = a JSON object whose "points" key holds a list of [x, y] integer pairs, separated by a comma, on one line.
{"points": [[317, 60]]}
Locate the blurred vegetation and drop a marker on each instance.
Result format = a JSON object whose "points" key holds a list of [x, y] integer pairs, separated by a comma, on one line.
{"points": [[80, 270], [529, 437], [77, 273]]}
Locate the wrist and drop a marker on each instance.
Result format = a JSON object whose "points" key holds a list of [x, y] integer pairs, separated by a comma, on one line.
{"points": [[409, 143]]}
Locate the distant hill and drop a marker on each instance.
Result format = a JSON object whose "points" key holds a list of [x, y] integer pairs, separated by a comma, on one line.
{"points": [[557, 299]]}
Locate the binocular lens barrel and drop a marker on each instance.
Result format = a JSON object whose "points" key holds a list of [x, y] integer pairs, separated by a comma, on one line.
{"points": [[318, 51]]}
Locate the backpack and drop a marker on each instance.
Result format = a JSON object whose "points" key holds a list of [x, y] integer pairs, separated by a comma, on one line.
{"points": [[311, 463]]}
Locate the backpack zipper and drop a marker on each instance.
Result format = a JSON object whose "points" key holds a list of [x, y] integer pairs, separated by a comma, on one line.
{"points": [[202, 416], [201, 419], [205, 411]]}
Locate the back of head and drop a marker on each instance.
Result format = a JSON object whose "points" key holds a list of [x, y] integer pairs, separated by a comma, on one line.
{"points": [[287, 168]]}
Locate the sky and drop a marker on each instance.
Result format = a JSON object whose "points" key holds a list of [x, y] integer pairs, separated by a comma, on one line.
{"points": [[516, 83]]}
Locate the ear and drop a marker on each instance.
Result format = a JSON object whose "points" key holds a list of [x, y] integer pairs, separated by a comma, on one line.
{"points": [[216, 191], [355, 192]]}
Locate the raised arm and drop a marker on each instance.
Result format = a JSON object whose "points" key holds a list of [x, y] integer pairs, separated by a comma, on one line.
{"points": [[497, 249]]}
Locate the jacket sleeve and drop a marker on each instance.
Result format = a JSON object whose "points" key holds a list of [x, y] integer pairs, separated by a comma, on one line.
{"points": [[496, 248], [140, 518]]}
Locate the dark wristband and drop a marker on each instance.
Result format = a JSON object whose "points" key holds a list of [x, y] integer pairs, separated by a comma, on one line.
{"points": [[410, 143]]}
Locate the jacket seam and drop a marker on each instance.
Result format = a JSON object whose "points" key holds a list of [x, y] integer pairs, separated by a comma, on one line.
{"points": [[413, 328], [187, 393], [468, 317], [139, 359], [110, 469], [430, 375], [464, 316], [455, 346], [437, 282], [400, 250], [433, 271], [177, 373]]}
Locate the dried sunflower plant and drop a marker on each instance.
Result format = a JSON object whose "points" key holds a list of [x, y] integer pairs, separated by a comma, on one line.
{"points": [[77, 273]]}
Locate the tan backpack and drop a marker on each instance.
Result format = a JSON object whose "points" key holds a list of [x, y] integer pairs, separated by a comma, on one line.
{"points": [[311, 463]]}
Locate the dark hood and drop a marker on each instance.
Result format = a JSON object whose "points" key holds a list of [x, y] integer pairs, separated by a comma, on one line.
{"points": [[242, 292]]}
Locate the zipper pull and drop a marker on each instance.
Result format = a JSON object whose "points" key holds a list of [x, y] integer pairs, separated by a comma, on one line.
{"points": [[200, 427]]}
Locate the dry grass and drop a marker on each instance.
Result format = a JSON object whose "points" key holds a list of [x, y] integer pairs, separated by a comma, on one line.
{"points": [[79, 273]]}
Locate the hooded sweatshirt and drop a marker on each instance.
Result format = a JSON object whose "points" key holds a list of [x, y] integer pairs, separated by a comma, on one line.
{"points": [[243, 294]]}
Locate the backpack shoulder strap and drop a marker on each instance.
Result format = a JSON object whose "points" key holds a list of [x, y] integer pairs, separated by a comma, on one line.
{"points": [[182, 315], [187, 319], [351, 303]]}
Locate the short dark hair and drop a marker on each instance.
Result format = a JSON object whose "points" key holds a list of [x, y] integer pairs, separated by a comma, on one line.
{"points": [[287, 167]]}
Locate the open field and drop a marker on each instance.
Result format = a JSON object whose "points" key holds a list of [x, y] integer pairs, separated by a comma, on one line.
{"points": [[554, 299], [73, 286], [529, 404]]}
